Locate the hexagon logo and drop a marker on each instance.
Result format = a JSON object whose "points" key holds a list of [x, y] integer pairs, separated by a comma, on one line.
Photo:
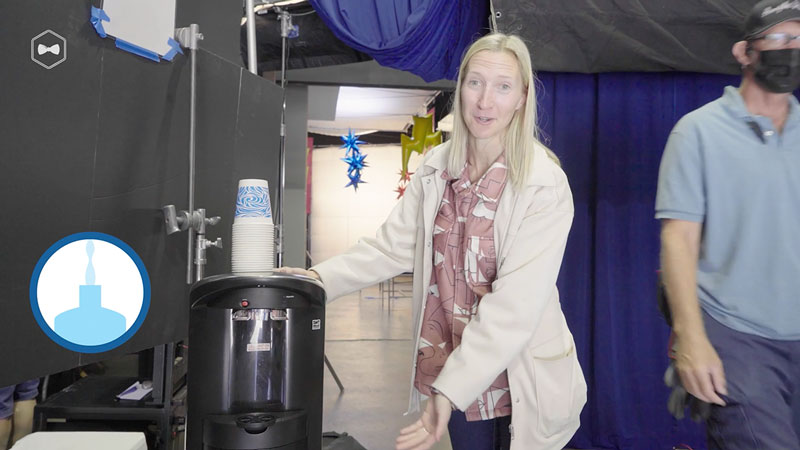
{"points": [[48, 49]]}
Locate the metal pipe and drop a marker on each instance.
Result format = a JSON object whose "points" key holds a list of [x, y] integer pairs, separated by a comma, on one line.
{"points": [[200, 272], [252, 62], [193, 32], [279, 219], [200, 250]]}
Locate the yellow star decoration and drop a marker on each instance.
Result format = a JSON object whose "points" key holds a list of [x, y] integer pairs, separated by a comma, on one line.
{"points": [[422, 138]]}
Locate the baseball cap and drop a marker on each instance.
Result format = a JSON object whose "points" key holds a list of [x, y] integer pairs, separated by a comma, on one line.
{"points": [[768, 13]]}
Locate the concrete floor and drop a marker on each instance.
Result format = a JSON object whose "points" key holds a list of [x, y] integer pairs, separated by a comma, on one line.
{"points": [[368, 342]]}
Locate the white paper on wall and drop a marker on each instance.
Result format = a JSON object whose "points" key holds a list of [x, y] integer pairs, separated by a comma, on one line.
{"points": [[148, 24]]}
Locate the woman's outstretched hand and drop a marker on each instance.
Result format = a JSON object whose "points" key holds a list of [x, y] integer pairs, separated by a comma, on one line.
{"points": [[429, 429], [299, 271]]}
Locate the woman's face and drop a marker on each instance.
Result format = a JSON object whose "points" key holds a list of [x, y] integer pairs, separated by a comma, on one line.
{"points": [[492, 91]]}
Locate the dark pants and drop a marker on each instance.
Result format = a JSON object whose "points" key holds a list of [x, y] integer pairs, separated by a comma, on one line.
{"points": [[763, 380], [490, 434]]}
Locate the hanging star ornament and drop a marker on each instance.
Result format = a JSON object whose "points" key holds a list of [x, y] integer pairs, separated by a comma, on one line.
{"points": [[355, 179], [354, 159], [422, 138], [351, 142], [405, 177]]}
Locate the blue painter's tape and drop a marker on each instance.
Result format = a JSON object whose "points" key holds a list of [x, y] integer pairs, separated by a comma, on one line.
{"points": [[175, 47], [98, 16], [135, 49]]}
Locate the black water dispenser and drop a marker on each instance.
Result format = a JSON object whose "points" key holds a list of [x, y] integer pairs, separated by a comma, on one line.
{"points": [[256, 355]]}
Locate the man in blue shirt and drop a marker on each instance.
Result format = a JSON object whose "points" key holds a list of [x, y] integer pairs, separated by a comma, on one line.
{"points": [[729, 201]]}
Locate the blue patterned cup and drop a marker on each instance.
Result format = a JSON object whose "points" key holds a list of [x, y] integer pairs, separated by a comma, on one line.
{"points": [[252, 201]]}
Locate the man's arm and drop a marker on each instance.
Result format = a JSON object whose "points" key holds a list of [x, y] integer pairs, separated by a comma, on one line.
{"points": [[698, 364]]}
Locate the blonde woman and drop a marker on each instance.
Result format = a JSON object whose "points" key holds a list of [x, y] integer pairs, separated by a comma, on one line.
{"points": [[483, 225]]}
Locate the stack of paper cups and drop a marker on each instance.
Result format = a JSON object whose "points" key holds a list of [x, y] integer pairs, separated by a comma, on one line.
{"points": [[252, 251]]}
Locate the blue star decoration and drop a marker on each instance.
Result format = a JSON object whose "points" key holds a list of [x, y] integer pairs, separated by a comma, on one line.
{"points": [[355, 179], [354, 159], [351, 142]]}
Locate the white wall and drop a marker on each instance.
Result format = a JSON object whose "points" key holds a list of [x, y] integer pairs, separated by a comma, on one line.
{"points": [[339, 216]]}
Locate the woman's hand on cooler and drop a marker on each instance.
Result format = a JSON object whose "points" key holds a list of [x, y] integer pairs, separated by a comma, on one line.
{"points": [[429, 429], [299, 271]]}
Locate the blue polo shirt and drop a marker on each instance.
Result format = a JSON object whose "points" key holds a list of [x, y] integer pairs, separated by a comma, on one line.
{"points": [[735, 174]]}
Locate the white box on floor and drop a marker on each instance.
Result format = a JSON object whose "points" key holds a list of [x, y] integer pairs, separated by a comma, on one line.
{"points": [[82, 440]]}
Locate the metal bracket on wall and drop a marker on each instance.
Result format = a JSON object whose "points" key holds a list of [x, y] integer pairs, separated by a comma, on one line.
{"points": [[195, 223], [188, 36]]}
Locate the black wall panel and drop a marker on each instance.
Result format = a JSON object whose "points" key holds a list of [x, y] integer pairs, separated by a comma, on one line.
{"points": [[217, 106], [100, 143], [256, 134], [591, 36], [220, 23], [48, 128], [141, 163]]}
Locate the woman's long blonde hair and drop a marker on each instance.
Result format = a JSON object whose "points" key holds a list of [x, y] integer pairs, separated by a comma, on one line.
{"points": [[522, 134]]}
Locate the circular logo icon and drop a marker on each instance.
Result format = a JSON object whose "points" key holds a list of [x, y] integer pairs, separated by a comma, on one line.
{"points": [[90, 292]]}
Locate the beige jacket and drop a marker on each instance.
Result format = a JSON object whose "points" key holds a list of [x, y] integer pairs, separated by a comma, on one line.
{"points": [[519, 326]]}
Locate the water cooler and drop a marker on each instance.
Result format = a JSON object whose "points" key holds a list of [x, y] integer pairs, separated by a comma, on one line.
{"points": [[256, 355]]}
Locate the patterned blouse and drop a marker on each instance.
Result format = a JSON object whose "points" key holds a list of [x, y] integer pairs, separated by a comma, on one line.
{"points": [[464, 261]]}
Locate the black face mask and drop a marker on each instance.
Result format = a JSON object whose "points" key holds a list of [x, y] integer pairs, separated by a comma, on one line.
{"points": [[778, 71]]}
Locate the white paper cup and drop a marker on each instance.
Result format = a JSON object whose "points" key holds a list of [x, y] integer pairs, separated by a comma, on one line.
{"points": [[252, 201], [253, 182], [253, 239]]}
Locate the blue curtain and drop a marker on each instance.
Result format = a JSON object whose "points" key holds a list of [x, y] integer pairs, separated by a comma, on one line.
{"points": [[424, 37], [610, 130]]}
